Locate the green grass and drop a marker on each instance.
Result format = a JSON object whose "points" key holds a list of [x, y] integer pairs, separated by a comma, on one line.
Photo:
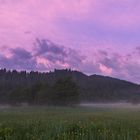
{"points": [[49, 123]]}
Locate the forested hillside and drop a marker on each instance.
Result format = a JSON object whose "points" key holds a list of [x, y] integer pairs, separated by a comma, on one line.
{"points": [[63, 87]]}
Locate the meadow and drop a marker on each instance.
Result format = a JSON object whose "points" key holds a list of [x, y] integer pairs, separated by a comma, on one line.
{"points": [[67, 123]]}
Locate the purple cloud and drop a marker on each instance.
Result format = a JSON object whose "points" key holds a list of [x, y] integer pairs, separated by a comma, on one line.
{"points": [[21, 53], [57, 55], [46, 46], [20, 59], [48, 56]]}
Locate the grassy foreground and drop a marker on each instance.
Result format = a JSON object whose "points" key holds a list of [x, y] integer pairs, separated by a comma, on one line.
{"points": [[49, 123]]}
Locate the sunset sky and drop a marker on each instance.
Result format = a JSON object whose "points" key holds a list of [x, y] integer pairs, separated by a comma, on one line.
{"points": [[92, 36]]}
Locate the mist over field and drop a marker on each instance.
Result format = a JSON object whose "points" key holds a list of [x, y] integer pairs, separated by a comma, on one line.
{"points": [[118, 105]]}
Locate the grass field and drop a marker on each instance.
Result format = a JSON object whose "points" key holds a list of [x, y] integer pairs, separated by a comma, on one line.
{"points": [[79, 123]]}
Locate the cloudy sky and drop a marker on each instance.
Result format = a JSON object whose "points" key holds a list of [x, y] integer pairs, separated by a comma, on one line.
{"points": [[92, 36]]}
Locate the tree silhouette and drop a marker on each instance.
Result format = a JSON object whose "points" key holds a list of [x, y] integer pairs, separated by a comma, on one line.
{"points": [[65, 92]]}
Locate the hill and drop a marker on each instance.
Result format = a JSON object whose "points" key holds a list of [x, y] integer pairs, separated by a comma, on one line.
{"points": [[97, 88], [62, 85]]}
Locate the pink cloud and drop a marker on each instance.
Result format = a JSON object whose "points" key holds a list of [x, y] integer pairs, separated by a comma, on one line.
{"points": [[105, 70]]}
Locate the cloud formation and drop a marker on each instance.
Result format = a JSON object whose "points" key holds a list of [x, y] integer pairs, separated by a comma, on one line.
{"points": [[48, 55], [56, 55], [19, 59]]}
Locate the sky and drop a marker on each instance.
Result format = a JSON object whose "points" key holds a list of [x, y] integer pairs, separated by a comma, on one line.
{"points": [[91, 36]]}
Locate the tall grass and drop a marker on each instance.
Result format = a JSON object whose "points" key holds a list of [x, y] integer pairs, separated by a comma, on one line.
{"points": [[42, 123]]}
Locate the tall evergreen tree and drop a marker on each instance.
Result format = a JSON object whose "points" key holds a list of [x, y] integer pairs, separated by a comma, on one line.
{"points": [[65, 92]]}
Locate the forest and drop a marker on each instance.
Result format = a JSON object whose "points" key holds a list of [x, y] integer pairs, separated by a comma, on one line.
{"points": [[63, 87]]}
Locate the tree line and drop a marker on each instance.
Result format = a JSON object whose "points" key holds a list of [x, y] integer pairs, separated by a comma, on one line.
{"points": [[37, 88], [63, 87]]}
